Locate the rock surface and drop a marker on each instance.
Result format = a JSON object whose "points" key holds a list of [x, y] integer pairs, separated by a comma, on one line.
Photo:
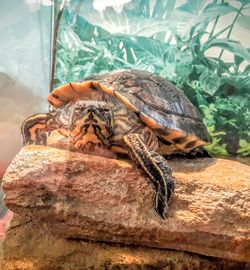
{"points": [[28, 247], [95, 198]]}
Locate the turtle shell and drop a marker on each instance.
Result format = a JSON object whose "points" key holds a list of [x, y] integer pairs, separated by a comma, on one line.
{"points": [[157, 102]]}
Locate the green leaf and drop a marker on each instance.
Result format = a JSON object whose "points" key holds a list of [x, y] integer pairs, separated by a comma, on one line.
{"points": [[209, 82], [238, 81], [184, 67], [70, 40], [200, 68], [246, 70], [193, 6], [171, 54], [209, 111], [243, 2], [169, 7], [213, 10], [122, 23], [168, 72], [181, 20], [142, 64], [162, 8], [216, 147], [238, 60], [182, 72], [146, 47], [244, 149], [186, 21], [229, 45], [219, 65], [244, 21]]}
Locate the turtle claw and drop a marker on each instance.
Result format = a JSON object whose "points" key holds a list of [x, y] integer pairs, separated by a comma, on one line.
{"points": [[170, 189], [161, 205]]}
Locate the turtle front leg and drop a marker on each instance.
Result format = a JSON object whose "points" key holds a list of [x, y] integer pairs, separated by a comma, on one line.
{"points": [[155, 166], [36, 128]]}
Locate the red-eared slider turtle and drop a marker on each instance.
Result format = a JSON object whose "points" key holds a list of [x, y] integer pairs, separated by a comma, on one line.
{"points": [[129, 111]]}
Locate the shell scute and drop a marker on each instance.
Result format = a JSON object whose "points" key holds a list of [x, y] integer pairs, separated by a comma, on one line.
{"points": [[157, 102]]}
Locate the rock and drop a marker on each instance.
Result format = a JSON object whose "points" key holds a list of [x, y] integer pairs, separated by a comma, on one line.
{"points": [[89, 197], [28, 247], [4, 221]]}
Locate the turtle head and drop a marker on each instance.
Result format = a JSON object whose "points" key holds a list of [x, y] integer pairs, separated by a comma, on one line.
{"points": [[90, 122]]}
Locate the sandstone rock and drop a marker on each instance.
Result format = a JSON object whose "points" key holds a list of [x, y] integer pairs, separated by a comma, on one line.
{"points": [[28, 247], [4, 220], [95, 198]]}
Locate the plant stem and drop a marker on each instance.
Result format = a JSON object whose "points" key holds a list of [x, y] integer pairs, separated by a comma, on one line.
{"points": [[222, 31], [215, 23], [231, 27], [54, 44]]}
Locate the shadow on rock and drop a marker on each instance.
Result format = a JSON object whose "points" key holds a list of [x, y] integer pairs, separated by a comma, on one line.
{"points": [[27, 246]]}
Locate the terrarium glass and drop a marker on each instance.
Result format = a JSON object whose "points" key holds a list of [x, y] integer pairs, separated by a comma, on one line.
{"points": [[25, 55], [200, 46]]}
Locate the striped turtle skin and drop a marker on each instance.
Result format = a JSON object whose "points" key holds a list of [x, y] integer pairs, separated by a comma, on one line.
{"points": [[129, 111]]}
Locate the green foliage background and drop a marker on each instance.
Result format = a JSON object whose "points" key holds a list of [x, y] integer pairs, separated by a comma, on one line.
{"points": [[169, 40]]}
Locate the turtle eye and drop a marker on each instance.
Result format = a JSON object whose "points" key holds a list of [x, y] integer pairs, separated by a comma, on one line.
{"points": [[105, 109], [105, 112]]}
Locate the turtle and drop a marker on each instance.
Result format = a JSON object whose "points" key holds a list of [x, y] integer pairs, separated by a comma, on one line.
{"points": [[131, 112]]}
